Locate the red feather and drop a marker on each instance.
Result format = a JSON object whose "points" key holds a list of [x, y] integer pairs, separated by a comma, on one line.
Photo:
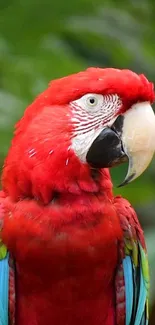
{"points": [[40, 160], [65, 258], [60, 222]]}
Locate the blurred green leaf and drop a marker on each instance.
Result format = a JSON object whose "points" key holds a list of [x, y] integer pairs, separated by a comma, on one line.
{"points": [[43, 40], [150, 240]]}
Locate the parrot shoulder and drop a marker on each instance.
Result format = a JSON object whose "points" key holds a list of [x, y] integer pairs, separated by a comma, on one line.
{"points": [[132, 275]]}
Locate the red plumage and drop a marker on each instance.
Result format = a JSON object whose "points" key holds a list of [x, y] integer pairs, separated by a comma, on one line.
{"points": [[61, 223], [36, 160]]}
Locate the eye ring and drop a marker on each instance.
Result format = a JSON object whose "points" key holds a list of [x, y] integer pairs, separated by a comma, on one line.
{"points": [[91, 101]]}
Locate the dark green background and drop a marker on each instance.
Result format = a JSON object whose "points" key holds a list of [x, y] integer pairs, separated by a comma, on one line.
{"points": [[42, 40]]}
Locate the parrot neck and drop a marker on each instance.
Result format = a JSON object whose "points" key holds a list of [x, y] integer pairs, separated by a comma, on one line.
{"points": [[57, 175], [97, 184]]}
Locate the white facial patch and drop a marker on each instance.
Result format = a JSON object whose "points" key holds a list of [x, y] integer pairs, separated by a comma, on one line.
{"points": [[90, 114]]}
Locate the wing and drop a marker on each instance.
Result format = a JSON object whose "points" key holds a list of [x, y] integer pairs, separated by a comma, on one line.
{"points": [[4, 278], [7, 283], [132, 276]]}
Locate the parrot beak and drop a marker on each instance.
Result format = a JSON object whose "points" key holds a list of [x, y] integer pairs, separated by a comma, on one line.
{"points": [[130, 138]]}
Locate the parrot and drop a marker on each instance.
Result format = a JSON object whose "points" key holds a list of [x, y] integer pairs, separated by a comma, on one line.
{"points": [[71, 251]]}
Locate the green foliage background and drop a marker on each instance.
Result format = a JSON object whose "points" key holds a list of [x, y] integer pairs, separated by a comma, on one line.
{"points": [[41, 40]]}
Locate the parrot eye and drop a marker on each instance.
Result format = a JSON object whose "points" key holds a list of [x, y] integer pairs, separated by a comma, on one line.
{"points": [[91, 101]]}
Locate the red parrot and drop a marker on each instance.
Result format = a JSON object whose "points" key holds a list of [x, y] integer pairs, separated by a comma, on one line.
{"points": [[71, 252]]}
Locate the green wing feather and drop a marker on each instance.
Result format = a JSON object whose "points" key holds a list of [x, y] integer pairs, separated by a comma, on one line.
{"points": [[132, 277], [4, 278], [3, 250]]}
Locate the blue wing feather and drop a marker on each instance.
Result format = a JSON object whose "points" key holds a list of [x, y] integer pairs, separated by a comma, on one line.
{"points": [[135, 303], [142, 301], [4, 289], [128, 278], [132, 276]]}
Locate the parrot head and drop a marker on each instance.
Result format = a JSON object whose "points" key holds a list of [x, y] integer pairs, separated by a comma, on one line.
{"points": [[78, 128]]}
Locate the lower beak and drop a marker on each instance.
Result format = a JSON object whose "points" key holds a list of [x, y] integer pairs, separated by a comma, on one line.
{"points": [[130, 138]]}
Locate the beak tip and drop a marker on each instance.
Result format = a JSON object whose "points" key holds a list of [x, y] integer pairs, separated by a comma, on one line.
{"points": [[127, 180], [121, 185]]}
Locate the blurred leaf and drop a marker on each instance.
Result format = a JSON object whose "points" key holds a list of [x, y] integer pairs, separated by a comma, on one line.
{"points": [[150, 240], [43, 40]]}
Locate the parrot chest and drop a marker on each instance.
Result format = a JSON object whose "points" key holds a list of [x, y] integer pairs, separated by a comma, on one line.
{"points": [[65, 269], [65, 296], [69, 288]]}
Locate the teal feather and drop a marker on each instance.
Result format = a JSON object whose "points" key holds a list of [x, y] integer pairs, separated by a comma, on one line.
{"points": [[136, 280], [4, 289], [132, 277], [141, 300], [127, 267]]}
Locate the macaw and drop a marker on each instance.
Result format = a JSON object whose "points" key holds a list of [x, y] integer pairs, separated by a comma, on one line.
{"points": [[71, 252]]}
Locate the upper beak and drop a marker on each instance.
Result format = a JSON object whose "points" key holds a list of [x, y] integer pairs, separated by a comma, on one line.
{"points": [[131, 137]]}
